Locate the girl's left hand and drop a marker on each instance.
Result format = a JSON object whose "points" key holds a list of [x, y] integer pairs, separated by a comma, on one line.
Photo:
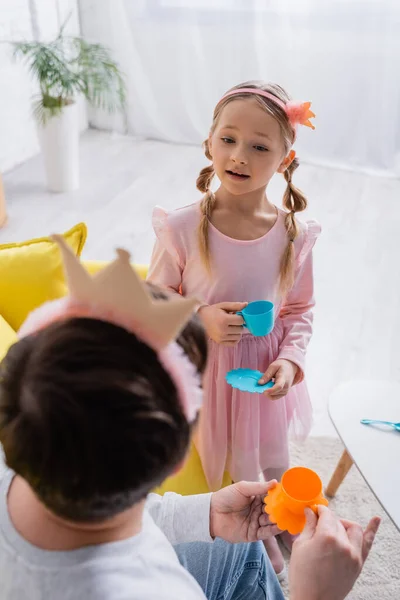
{"points": [[283, 372]]}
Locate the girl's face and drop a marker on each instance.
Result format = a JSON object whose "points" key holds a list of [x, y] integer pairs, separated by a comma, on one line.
{"points": [[247, 147]]}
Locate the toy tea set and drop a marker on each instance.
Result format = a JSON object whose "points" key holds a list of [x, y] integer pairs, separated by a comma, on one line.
{"points": [[259, 319], [299, 487]]}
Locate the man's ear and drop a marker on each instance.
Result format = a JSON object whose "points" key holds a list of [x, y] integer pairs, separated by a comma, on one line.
{"points": [[287, 161], [178, 467]]}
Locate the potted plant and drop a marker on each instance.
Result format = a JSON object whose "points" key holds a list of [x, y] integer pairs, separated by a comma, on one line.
{"points": [[66, 68]]}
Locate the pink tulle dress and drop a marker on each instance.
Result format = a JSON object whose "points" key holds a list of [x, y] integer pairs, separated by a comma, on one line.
{"points": [[242, 432]]}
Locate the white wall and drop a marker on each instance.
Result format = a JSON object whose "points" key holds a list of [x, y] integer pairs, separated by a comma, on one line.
{"points": [[24, 20], [179, 56]]}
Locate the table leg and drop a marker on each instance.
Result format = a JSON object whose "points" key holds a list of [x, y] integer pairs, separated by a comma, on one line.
{"points": [[343, 467]]}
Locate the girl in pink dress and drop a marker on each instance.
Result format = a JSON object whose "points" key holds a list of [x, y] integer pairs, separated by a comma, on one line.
{"points": [[234, 247]]}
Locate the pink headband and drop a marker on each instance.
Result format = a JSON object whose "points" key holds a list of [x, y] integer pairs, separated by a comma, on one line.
{"points": [[298, 113], [117, 295]]}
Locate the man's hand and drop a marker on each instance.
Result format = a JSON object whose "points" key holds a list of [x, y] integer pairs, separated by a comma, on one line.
{"points": [[283, 372], [236, 511], [328, 556], [222, 323]]}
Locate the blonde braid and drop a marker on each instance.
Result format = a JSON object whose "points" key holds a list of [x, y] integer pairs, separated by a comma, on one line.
{"points": [[207, 204], [293, 201]]}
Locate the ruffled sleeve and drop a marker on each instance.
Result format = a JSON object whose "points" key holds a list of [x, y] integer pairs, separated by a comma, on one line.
{"points": [[311, 235], [297, 310], [167, 263]]}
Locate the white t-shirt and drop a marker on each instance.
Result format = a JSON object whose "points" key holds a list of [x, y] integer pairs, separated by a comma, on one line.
{"points": [[143, 567]]}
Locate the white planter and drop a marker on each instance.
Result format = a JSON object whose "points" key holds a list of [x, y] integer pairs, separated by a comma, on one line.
{"points": [[59, 142]]}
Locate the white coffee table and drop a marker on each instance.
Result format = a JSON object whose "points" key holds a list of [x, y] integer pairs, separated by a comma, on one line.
{"points": [[375, 451]]}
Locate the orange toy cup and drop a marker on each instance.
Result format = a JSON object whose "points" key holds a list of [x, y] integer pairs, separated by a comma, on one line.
{"points": [[285, 503], [301, 488]]}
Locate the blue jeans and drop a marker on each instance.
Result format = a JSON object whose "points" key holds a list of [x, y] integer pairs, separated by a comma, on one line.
{"points": [[231, 571]]}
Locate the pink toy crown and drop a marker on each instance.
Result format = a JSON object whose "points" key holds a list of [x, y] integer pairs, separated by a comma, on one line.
{"points": [[117, 295]]}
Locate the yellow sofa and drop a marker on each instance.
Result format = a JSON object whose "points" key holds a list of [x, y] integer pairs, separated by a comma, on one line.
{"points": [[190, 479]]}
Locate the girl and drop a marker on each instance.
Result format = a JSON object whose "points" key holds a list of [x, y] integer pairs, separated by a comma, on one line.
{"points": [[234, 247]]}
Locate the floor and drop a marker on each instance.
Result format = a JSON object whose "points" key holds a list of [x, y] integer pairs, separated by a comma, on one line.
{"points": [[356, 502], [357, 319]]}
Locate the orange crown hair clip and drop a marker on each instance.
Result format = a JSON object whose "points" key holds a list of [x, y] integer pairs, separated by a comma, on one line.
{"points": [[299, 112]]}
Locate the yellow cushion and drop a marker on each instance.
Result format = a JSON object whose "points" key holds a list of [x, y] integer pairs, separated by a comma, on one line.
{"points": [[31, 273], [7, 337], [190, 479]]}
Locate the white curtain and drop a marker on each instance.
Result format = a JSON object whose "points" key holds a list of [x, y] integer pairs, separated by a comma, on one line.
{"points": [[179, 56]]}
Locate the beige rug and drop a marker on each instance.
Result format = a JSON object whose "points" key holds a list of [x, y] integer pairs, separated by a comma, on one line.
{"points": [[380, 579]]}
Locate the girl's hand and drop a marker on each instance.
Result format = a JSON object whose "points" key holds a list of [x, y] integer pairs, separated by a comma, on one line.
{"points": [[283, 372], [221, 323]]}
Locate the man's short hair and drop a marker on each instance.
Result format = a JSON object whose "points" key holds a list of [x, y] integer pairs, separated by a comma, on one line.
{"points": [[90, 418]]}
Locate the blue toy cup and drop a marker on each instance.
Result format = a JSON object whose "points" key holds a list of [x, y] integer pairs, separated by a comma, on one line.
{"points": [[258, 317]]}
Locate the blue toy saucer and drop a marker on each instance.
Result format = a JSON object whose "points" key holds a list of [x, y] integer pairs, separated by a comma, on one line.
{"points": [[246, 380]]}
